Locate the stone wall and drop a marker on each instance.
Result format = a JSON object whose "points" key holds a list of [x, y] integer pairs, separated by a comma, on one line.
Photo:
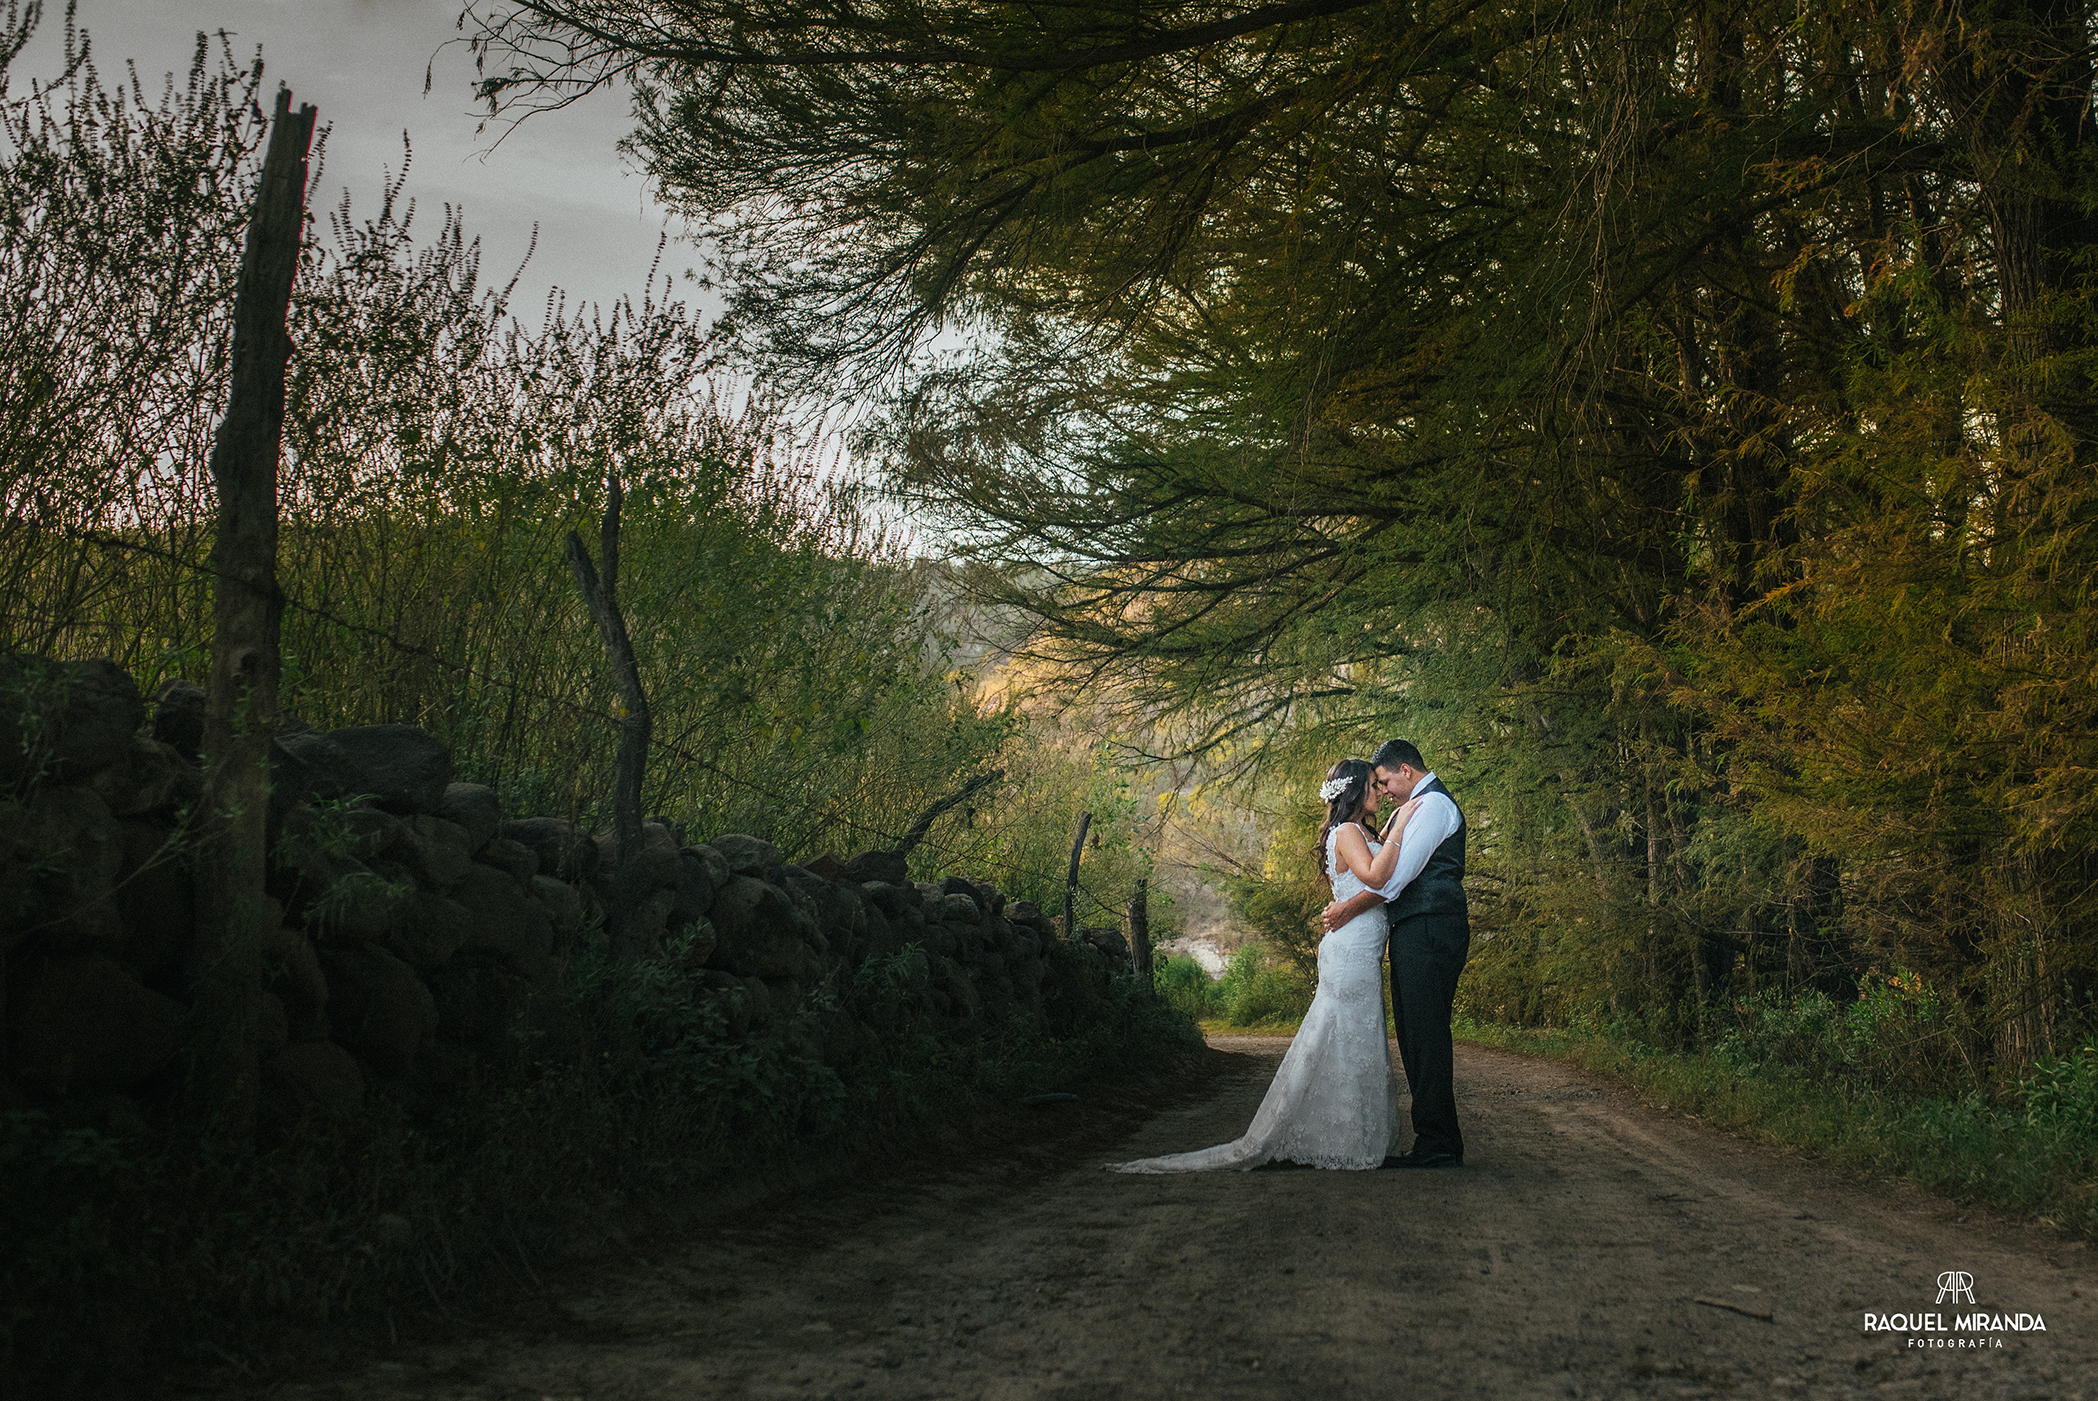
{"points": [[418, 932]]}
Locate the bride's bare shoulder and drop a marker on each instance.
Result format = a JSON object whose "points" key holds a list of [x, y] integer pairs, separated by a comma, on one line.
{"points": [[1356, 830]]}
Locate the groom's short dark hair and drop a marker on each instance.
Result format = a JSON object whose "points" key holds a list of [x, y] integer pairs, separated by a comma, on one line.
{"points": [[1394, 752]]}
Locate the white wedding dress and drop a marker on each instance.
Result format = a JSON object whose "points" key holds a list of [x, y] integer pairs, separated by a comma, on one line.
{"points": [[1333, 1102]]}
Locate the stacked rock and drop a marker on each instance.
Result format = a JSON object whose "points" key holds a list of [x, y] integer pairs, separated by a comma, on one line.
{"points": [[94, 909], [417, 935]]}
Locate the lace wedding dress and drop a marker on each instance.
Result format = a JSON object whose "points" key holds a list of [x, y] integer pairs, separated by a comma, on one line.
{"points": [[1333, 1103]]}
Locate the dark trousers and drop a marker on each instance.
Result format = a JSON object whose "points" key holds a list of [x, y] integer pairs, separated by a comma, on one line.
{"points": [[1427, 954]]}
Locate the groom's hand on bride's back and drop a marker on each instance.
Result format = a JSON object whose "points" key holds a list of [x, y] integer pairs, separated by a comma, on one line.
{"points": [[1330, 918]]}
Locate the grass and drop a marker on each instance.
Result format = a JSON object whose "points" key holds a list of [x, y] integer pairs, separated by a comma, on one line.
{"points": [[2032, 1153]]}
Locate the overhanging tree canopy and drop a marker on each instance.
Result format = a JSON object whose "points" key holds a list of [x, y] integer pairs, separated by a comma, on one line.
{"points": [[1727, 367]]}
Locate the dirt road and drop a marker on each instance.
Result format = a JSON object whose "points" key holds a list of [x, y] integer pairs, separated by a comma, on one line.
{"points": [[1568, 1259]]}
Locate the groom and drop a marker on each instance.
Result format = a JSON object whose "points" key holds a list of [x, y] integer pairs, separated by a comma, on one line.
{"points": [[1430, 938]]}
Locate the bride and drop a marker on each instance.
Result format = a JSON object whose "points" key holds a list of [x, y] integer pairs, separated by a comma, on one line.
{"points": [[1333, 1103]]}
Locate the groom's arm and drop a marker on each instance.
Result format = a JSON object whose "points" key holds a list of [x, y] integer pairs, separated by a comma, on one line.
{"points": [[1340, 912]]}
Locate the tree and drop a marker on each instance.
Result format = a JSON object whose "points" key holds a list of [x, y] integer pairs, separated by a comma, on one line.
{"points": [[1544, 375]]}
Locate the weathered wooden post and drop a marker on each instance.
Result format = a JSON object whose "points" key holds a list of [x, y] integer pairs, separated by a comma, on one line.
{"points": [[240, 717], [1140, 937], [601, 596], [1085, 820]]}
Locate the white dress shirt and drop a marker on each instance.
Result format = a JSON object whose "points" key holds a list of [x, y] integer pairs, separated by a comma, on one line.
{"points": [[1431, 825]]}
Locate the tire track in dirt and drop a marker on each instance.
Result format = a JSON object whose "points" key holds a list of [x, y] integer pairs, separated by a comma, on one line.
{"points": [[1566, 1260]]}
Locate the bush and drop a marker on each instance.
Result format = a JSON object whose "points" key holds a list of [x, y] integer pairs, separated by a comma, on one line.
{"points": [[2062, 1092], [1896, 1033], [1258, 989], [1187, 988]]}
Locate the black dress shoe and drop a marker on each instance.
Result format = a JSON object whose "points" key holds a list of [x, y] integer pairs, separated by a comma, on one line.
{"points": [[1424, 1161]]}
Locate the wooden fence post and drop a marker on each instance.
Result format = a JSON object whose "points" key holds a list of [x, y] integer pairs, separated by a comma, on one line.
{"points": [[1085, 820], [1140, 937], [601, 597], [240, 717]]}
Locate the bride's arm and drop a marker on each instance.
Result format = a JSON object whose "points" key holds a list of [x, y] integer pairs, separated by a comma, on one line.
{"points": [[1351, 850], [1388, 859]]}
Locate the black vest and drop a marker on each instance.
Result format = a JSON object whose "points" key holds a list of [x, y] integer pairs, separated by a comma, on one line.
{"points": [[1439, 888]]}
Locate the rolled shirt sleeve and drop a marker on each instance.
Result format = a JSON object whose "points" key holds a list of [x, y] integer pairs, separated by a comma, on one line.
{"points": [[1433, 822]]}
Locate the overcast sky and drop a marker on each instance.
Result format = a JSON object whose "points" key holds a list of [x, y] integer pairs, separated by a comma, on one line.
{"points": [[362, 62]]}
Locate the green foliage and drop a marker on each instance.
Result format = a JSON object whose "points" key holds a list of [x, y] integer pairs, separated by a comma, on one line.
{"points": [[1260, 990], [1281, 910], [437, 451], [1727, 544], [2062, 1092], [55, 1236], [1280, 901], [1896, 1034], [1186, 987], [1257, 990], [1021, 840]]}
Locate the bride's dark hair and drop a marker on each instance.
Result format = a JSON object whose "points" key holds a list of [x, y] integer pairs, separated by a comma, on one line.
{"points": [[1345, 806]]}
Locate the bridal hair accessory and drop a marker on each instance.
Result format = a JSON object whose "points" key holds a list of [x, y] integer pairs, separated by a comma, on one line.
{"points": [[1332, 788]]}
